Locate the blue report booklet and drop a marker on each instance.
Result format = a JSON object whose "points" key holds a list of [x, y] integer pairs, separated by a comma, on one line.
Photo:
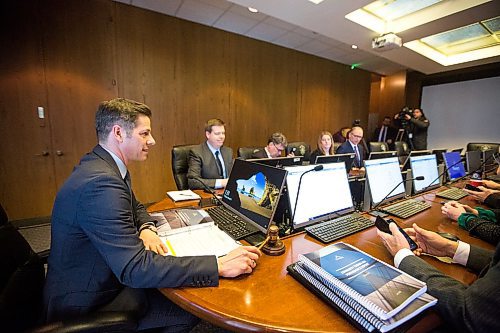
{"points": [[381, 288]]}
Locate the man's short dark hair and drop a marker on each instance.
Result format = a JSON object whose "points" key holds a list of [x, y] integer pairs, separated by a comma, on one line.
{"points": [[213, 122], [118, 111], [278, 138]]}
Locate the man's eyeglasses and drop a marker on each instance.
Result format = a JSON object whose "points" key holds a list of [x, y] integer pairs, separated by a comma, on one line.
{"points": [[357, 136], [278, 148]]}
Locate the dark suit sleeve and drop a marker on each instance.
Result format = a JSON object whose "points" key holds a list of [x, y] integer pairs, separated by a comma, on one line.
{"points": [[104, 210], [261, 153], [473, 308], [344, 149], [420, 123], [195, 170], [493, 201]]}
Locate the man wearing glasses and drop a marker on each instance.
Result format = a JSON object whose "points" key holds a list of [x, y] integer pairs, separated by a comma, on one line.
{"points": [[276, 144], [352, 146]]}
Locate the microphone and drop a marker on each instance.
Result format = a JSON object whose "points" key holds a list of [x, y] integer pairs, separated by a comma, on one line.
{"points": [[377, 213], [207, 189], [318, 167]]}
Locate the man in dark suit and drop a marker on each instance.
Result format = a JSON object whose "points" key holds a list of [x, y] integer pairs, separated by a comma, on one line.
{"points": [[210, 162], [352, 146], [473, 308], [276, 144], [385, 133], [105, 252]]}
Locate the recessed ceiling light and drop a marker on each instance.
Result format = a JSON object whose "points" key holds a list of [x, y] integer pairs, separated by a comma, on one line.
{"points": [[253, 10], [316, 1], [354, 46]]}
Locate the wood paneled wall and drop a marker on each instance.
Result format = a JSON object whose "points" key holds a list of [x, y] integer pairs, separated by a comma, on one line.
{"points": [[84, 52]]}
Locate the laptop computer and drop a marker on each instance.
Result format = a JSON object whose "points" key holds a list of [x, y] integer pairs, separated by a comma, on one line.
{"points": [[249, 199], [382, 154], [279, 162], [323, 194], [454, 165], [348, 159]]}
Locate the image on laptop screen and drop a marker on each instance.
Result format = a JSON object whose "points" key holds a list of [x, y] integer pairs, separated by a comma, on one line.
{"points": [[426, 166], [348, 159], [454, 166], [253, 190], [383, 176], [279, 162], [473, 159], [322, 193]]}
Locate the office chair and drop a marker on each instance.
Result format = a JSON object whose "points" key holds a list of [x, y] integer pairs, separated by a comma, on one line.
{"points": [[378, 146], [301, 149], [246, 153], [336, 145], [22, 278], [180, 165], [403, 150], [471, 146]]}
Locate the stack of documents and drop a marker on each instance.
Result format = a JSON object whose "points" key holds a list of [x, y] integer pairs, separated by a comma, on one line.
{"points": [[371, 294]]}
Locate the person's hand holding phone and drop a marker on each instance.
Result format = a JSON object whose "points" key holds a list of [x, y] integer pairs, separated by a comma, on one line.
{"points": [[393, 236]]}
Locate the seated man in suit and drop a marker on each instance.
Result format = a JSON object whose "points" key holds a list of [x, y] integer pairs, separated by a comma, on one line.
{"points": [[210, 162], [352, 146], [276, 144], [385, 133], [105, 252], [464, 308]]}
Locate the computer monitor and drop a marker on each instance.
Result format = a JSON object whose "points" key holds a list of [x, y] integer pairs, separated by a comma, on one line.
{"points": [[382, 154], [473, 160], [457, 150], [253, 191], [439, 155], [406, 163], [425, 165], [348, 159], [454, 166], [488, 160], [279, 162], [383, 175], [322, 193]]}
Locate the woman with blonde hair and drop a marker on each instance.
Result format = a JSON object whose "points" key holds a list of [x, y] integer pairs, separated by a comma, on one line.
{"points": [[325, 146]]}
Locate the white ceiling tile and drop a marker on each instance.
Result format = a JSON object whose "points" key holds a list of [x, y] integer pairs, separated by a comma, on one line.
{"points": [[290, 40], [235, 23], [313, 46], [200, 12], [165, 7], [279, 23], [243, 11], [265, 32]]}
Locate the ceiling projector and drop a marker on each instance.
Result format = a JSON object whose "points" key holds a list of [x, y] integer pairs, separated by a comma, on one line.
{"points": [[386, 42]]}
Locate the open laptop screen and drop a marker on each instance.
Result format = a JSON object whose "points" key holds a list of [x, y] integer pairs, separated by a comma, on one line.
{"points": [[322, 193], [454, 165], [348, 159], [426, 166], [383, 176], [253, 190], [279, 162]]}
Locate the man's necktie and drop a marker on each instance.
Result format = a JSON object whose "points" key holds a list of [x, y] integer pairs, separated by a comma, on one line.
{"points": [[381, 136], [219, 164], [358, 160]]}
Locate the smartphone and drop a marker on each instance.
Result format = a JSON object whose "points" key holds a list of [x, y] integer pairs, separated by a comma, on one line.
{"points": [[383, 225], [472, 188]]}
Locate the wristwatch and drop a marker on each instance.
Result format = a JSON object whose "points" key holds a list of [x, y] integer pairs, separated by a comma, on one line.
{"points": [[149, 227]]}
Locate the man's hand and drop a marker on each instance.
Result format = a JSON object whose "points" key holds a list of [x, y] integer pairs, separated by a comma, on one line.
{"points": [[394, 242], [431, 243], [482, 195], [453, 210], [491, 184], [152, 242], [239, 261]]}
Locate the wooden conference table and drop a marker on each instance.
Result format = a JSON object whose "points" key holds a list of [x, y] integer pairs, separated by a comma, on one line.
{"points": [[269, 300]]}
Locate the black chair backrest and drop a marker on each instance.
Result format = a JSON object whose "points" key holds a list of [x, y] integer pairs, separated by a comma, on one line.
{"points": [[402, 148], [483, 146], [336, 145], [378, 146], [301, 149], [245, 153], [21, 281], [180, 165]]}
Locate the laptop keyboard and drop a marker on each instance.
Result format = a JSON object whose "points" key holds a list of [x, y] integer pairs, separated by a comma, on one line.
{"points": [[331, 230], [453, 193], [406, 208], [231, 223]]}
